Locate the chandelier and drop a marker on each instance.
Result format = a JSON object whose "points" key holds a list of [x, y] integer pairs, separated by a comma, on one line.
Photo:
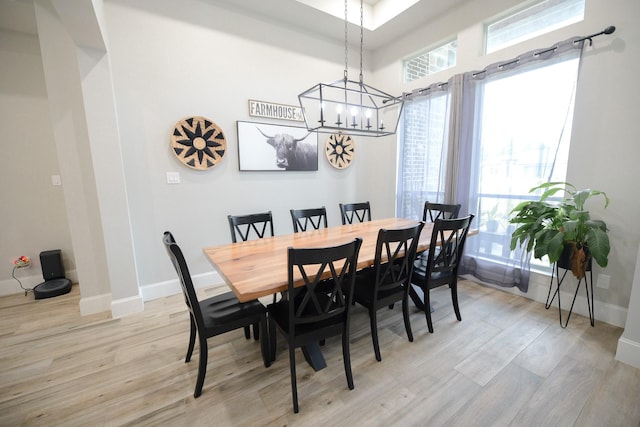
{"points": [[350, 106]]}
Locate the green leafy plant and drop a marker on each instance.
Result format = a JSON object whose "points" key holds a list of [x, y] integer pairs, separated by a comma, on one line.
{"points": [[546, 227]]}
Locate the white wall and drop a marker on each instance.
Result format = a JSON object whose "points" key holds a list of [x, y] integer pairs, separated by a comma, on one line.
{"points": [[174, 60], [32, 211]]}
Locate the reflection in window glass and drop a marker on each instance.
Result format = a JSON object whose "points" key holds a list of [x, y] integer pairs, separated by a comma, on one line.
{"points": [[430, 62]]}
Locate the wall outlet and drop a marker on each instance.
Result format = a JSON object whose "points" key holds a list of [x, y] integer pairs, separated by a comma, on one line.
{"points": [[173, 177], [603, 281]]}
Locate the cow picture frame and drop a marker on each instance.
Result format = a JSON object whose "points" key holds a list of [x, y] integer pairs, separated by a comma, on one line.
{"points": [[270, 147]]}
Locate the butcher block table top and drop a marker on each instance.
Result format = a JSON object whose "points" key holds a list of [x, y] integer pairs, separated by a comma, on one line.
{"points": [[258, 268]]}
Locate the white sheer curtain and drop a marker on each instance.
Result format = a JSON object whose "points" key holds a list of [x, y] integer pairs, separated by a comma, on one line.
{"points": [[515, 123], [423, 152]]}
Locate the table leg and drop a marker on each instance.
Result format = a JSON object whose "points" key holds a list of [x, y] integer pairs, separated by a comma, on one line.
{"points": [[313, 356], [418, 300]]}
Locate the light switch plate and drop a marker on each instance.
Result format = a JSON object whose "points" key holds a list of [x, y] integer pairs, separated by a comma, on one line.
{"points": [[56, 181]]}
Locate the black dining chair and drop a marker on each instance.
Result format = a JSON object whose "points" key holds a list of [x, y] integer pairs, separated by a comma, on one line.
{"points": [[440, 266], [215, 315], [389, 280], [250, 226], [304, 219], [433, 211], [359, 212], [311, 312]]}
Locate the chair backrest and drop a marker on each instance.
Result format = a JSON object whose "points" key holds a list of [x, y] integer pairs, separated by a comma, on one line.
{"points": [[242, 225], [303, 218], [395, 255], [359, 212], [434, 211], [179, 263], [321, 300], [447, 244]]}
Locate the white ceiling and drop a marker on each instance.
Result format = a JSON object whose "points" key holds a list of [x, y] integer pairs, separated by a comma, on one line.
{"points": [[392, 18]]}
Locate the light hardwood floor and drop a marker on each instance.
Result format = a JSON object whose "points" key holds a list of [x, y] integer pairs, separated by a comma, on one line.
{"points": [[507, 363]]}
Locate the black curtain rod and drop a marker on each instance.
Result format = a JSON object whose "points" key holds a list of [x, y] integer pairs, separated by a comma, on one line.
{"points": [[609, 30]]}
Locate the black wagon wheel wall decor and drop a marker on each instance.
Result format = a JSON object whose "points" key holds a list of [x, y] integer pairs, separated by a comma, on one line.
{"points": [[340, 150], [198, 142]]}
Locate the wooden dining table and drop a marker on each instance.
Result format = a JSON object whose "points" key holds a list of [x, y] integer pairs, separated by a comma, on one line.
{"points": [[258, 268]]}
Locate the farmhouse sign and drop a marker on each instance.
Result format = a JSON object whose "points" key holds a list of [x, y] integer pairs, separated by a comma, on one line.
{"points": [[275, 111]]}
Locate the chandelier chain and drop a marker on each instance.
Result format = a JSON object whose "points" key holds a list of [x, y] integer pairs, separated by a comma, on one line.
{"points": [[345, 43], [361, 38]]}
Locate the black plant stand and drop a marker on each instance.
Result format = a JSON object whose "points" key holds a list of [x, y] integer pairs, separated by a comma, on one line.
{"points": [[588, 283]]}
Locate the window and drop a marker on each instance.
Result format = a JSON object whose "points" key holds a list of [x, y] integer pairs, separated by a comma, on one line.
{"points": [[430, 62], [512, 132], [543, 17], [423, 154], [524, 132]]}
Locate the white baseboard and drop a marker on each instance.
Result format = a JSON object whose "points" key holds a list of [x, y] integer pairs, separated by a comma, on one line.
{"points": [[628, 352], [172, 287], [539, 289], [125, 306], [96, 304]]}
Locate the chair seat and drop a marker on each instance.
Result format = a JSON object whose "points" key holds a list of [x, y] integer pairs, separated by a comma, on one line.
{"points": [[279, 312], [363, 294], [436, 279], [226, 308]]}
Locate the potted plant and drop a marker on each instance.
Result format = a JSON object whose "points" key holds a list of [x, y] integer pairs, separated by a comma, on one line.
{"points": [[555, 228]]}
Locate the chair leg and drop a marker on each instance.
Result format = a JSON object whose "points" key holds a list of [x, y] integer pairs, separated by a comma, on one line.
{"points": [[292, 367], [374, 333], [346, 357], [264, 341], [256, 331], [427, 308], [202, 367], [192, 339], [247, 332], [405, 314], [272, 338], [454, 298]]}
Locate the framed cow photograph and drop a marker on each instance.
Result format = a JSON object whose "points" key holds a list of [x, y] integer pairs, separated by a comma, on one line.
{"points": [[268, 147]]}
